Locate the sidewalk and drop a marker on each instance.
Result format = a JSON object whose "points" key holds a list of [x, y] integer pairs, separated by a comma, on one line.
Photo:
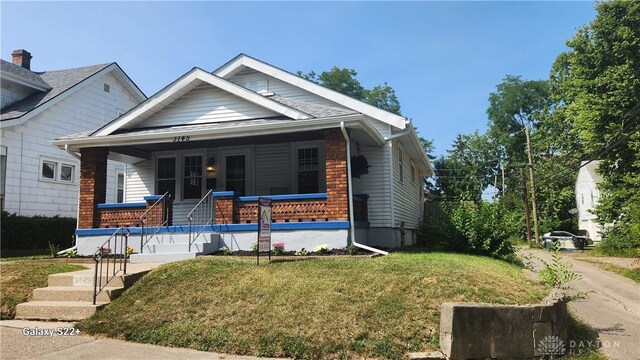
{"points": [[15, 345]]}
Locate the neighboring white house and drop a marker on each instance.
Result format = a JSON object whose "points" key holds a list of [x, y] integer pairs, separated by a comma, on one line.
{"points": [[587, 196], [250, 129], [37, 178]]}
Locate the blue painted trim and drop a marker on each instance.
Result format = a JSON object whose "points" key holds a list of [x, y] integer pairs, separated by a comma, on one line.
{"points": [[121, 205], [285, 197], [223, 194], [309, 225], [152, 197]]}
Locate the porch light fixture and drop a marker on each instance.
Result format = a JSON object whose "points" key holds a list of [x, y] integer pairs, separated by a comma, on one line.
{"points": [[211, 165]]}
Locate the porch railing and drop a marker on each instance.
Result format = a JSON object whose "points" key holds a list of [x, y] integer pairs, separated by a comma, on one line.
{"points": [[110, 259], [157, 211], [202, 215]]}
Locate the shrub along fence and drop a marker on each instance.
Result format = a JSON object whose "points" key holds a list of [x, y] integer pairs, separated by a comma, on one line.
{"points": [[24, 233]]}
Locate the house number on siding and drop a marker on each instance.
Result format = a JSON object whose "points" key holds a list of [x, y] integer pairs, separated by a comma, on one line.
{"points": [[181, 138]]}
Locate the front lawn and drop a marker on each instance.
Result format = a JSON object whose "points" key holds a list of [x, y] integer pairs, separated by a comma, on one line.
{"points": [[19, 278], [308, 307]]}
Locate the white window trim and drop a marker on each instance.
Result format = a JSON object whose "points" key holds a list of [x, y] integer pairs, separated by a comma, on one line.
{"points": [[58, 170], [203, 178], [124, 186], [179, 156], [322, 167], [248, 153]]}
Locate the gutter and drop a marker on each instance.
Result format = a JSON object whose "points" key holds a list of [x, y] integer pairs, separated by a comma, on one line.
{"points": [[352, 230]]}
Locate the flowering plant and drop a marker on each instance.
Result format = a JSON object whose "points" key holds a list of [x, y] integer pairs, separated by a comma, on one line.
{"points": [[105, 250], [278, 248], [322, 249], [129, 251]]}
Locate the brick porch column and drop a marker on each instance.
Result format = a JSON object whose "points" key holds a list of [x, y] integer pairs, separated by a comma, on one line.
{"points": [[93, 185], [336, 175]]}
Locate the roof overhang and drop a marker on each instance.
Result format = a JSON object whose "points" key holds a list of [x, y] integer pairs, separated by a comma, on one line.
{"points": [[7, 76], [239, 62], [149, 137], [184, 84], [118, 73], [412, 144]]}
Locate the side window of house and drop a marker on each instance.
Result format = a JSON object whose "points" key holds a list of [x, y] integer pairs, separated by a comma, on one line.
{"points": [[400, 166], [119, 187], [166, 175], [413, 173], [58, 171], [192, 181], [308, 171]]}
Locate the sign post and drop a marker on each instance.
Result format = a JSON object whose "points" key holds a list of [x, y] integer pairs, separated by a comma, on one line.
{"points": [[264, 227]]}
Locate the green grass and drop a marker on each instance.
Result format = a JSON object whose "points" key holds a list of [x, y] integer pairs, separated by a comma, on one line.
{"points": [[633, 273], [308, 308], [580, 334], [599, 251], [18, 279]]}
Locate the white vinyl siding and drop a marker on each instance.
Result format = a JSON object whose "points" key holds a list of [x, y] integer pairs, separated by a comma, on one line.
{"points": [[86, 109], [139, 181], [407, 201], [375, 184], [206, 104], [273, 168]]}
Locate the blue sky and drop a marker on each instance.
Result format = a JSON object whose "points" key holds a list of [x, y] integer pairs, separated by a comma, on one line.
{"points": [[442, 58]]}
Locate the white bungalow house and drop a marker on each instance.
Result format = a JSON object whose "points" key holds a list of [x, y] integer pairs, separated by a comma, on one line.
{"points": [[37, 178], [587, 196], [206, 146]]}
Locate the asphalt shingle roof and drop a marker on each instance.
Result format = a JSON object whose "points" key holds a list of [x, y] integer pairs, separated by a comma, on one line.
{"points": [[315, 110], [59, 81]]}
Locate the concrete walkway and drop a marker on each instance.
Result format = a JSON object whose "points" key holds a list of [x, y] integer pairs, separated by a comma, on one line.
{"points": [[611, 307], [14, 345]]}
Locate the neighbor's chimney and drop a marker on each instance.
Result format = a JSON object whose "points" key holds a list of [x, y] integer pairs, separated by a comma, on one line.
{"points": [[22, 58]]}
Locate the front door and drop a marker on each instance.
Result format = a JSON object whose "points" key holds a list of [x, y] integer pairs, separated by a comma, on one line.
{"points": [[236, 173]]}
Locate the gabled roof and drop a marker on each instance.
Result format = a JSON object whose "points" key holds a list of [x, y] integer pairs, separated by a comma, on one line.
{"points": [[22, 75], [243, 61], [184, 84], [61, 83]]}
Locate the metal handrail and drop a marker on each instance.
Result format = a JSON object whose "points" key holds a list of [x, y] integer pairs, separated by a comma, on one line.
{"points": [[205, 211], [110, 252], [143, 218]]}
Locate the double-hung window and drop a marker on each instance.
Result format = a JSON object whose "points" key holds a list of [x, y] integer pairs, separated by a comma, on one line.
{"points": [[166, 176], [308, 170]]}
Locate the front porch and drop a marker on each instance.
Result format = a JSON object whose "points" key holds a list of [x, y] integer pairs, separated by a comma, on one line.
{"points": [[183, 189]]}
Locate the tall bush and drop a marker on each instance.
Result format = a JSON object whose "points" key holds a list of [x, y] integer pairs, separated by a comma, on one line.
{"points": [[36, 232]]}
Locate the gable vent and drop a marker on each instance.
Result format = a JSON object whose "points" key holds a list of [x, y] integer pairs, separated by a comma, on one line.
{"points": [[107, 87]]}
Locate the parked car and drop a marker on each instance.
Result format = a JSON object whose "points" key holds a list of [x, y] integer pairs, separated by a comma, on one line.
{"points": [[580, 242]]}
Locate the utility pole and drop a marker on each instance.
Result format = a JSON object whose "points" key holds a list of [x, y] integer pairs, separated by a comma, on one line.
{"points": [[533, 187], [525, 200]]}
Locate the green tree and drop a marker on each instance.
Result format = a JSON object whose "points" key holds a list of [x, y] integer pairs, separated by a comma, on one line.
{"points": [[345, 82], [596, 85]]}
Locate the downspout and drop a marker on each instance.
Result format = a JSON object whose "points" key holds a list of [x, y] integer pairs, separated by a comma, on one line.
{"points": [[352, 229], [72, 153]]}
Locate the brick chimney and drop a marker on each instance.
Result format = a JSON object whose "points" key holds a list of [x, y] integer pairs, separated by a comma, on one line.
{"points": [[22, 58]]}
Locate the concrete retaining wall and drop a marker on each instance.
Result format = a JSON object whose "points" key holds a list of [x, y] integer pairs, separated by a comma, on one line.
{"points": [[481, 331]]}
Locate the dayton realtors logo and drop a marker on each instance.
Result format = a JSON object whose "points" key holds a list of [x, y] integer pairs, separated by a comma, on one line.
{"points": [[551, 346]]}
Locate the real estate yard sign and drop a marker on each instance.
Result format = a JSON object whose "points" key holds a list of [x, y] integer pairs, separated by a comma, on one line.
{"points": [[264, 226]]}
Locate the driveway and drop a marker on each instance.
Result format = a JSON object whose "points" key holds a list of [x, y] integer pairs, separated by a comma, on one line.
{"points": [[611, 307]]}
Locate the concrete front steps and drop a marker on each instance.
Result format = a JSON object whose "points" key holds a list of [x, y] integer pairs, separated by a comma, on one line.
{"points": [[169, 247], [69, 296]]}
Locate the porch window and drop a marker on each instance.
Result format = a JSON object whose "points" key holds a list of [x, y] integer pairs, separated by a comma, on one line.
{"points": [[192, 180], [120, 187], [308, 171], [236, 174], [166, 175]]}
